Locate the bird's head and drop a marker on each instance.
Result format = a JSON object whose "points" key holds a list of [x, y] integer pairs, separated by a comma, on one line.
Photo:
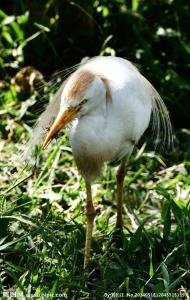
{"points": [[83, 92]]}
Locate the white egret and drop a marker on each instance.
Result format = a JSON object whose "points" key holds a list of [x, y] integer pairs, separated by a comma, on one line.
{"points": [[108, 105]]}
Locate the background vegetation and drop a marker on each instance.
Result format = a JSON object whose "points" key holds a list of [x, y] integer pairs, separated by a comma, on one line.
{"points": [[42, 224]]}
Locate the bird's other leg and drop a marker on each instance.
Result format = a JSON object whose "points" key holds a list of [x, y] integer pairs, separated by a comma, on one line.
{"points": [[90, 215], [120, 179]]}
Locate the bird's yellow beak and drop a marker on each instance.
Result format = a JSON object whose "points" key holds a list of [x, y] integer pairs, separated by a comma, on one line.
{"points": [[62, 119]]}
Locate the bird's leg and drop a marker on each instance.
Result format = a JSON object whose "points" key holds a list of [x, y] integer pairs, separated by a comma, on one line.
{"points": [[90, 214], [120, 179]]}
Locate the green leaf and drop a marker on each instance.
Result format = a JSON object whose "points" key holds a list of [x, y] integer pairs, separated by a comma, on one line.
{"points": [[180, 203], [8, 20], [176, 282], [135, 240], [35, 278], [165, 277], [7, 245], [178, 213], [166, 216], [7, 37], [105, 11], [23, 18], [42, 27], [135, 5], [159, 288], [18, 31], [22, 220], [151, 269], [181, 82], [53, 290], [2, 14], [166, 288]]}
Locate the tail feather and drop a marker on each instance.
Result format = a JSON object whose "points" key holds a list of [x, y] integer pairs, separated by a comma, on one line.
{"points": [[161, 124]]}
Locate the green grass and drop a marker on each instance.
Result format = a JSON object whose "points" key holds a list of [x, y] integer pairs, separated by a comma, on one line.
{"points": [[42, 224]]}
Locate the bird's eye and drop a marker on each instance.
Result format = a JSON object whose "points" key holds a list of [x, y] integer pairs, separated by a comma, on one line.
{"points": [[81, 103], [84, 101]]}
